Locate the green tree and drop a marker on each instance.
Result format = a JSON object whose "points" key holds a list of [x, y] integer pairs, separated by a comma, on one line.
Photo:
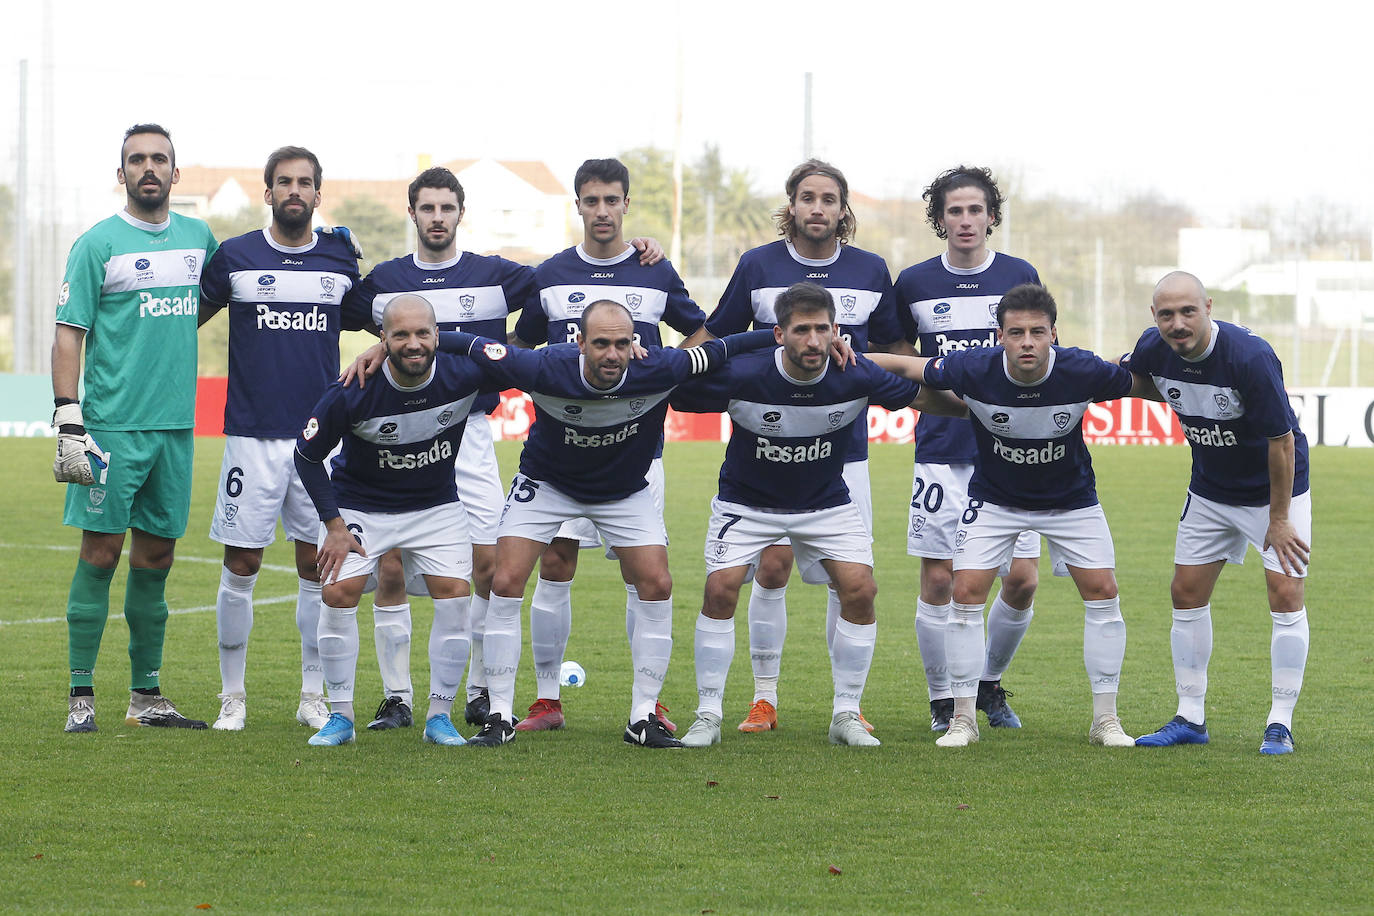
{"points": [[213, 354], [383, 235]]}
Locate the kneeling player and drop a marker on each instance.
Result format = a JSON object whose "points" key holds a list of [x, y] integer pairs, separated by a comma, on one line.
{"points": [[782, 477], [1032, 472], [393, 487]]}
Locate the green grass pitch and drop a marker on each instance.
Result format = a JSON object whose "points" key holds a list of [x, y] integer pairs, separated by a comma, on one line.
{"points": [[1030, 820]]}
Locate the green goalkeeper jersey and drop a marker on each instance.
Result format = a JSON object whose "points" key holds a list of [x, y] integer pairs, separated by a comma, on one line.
{"points": [[135, 289]]}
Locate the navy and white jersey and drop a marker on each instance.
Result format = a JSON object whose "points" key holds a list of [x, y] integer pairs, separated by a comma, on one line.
{"points": [[594, 445], [469, 292], [1230, 402], [943, 309], [284, 320], [572, 280], [1031, 453], [865, 308], [789, 439], [399, 444]]}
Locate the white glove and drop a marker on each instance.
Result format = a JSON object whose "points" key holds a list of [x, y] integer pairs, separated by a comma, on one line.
{"points": [[75, 448], [343, 232]]}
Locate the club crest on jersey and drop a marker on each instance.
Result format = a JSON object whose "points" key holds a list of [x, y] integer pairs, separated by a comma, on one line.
{"points": [[467, 303], [718, 549], [312, 428], [847, 304], [1061, 419], [97, 496], [834, 418], [494, 351], [230, 510], [917, 524], [327, 284], [445, 417], [632, 300], [191, 261], [992, 309], [1223, 403], [959, 538], [637, 405]]}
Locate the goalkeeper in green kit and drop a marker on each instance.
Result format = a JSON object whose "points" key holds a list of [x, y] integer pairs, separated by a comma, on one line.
{"points": [[124, 445]]}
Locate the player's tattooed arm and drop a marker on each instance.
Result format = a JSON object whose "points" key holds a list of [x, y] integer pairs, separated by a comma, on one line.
{"points": [[939, 402], [1293, 552]]}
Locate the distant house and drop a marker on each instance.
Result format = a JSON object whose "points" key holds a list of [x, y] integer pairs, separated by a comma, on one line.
{"points": [[516, 208]]}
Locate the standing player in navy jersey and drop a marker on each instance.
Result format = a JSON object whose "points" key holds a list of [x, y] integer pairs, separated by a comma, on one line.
{"points": [[393, 488], [1249, 484], [598, 422], [1032, 472], [602, 267], [474, 293], [945, 304], [817, 227], [283, 287], [791, 415]]}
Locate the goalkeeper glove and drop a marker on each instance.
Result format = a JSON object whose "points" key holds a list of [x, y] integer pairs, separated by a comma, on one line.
{"points": [[75, 448], [344, 233]]}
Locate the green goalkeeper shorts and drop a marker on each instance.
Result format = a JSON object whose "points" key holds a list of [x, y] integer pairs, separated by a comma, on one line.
{"points": [[147, 484]]}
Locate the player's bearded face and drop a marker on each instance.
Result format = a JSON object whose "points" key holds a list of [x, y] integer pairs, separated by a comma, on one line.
{"points": [[817, 208], [606, 348], [806, 341], [148, 171], [436, 215], [293, 194], [411, 351]]}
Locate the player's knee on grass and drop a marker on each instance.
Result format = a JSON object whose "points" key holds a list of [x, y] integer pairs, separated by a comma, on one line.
{"points": [[722, 593], [937, 581], [443, 587], [558, 562], [391, 580], [150, 551], [347, 593], [1019, 584], [483, 567], [246, 561], [307, 560], [1094, 584], [1286, 593]]}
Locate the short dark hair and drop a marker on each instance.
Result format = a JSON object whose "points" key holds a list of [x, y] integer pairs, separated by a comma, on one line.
{"points": [[962, 176], [605, 170], [802, 297], [146, 128], [288, 153], [1028, 297], [597, 306], [436, 177], [787, 226]]}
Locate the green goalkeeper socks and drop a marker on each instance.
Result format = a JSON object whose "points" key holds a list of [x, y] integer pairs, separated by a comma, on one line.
{"points": [[88, 606], [145, 609]]}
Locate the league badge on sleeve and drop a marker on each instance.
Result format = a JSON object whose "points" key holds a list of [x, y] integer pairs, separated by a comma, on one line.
{"points": [[494, 351], [312, 427]]}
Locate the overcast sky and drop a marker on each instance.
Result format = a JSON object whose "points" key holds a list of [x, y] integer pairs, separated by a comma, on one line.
{"points": [[1217, 104]]}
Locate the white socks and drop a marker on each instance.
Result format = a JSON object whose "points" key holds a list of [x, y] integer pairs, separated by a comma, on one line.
{"points": [[1190, 638], [930, 639], [964, 649], [477, 629], [714, 648], [234, 621], [1287, 660], [1006, 627], [1104, 645], [391, 628], [308, 622], [650, 649], [550, 623], [339, 652], [448, 653], [832, 616], [767, 631], [501, 653], [850, 658]]}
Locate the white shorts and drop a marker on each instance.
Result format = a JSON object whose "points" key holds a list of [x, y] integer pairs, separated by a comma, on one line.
{"points": [[1078, 537], [738, 534], [855, 476], [584, 531], [536, 510], [433, 542], [479, 480], [257, 485], [939, 496], [1209, 531]]}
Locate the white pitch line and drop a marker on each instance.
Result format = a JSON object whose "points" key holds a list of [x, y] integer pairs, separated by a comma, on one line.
{"points": [[180, 558], [184, 610]]}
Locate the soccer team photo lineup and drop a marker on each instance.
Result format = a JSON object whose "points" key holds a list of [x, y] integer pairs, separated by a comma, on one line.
{"points": [[384, 475]]}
